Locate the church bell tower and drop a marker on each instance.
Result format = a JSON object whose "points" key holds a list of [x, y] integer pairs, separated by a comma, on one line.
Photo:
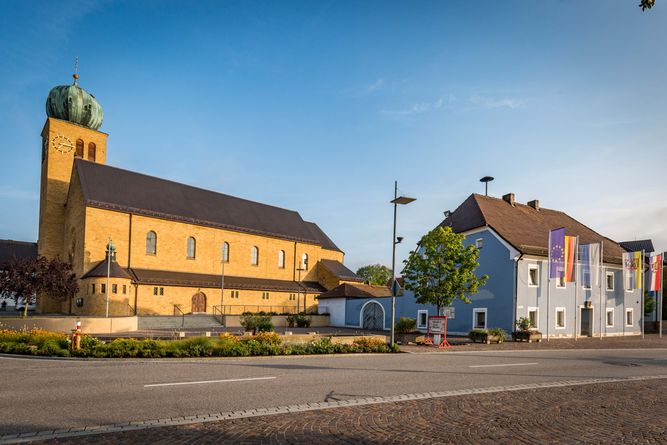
{"points": [[70, 131]]}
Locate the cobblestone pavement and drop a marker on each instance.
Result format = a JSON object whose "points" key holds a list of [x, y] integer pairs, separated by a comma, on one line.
{"points": [[609, 413], [464, 344]]}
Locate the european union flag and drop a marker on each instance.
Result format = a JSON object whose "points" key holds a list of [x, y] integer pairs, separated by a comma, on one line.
{"points": [[557, 253]]}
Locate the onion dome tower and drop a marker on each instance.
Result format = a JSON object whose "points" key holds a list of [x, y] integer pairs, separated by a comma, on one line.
{"points": [[74, 104]]}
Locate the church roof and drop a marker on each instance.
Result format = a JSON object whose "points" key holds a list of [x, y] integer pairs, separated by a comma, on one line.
{"points": [[524, 227], [173, 278], [123, 190], [101, 269], [340, 270]]}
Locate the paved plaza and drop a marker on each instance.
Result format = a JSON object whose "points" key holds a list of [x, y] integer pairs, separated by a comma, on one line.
{"points": [[622, 412]]}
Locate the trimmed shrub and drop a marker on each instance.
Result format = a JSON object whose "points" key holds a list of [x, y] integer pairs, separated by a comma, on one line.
{"points": [[500, 333], [257, 322], [405, 325], [303, 320]]}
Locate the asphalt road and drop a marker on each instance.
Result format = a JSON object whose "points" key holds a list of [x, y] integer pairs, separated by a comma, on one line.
{"points": [[43, 394]]}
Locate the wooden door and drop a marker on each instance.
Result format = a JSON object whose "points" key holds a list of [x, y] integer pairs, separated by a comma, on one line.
{"points": [[586, 322], [372, 317], [198, 302]]}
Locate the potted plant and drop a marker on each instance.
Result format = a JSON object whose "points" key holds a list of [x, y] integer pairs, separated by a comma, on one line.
{"points": [[496, 335], [526, 332], [405, 329]]}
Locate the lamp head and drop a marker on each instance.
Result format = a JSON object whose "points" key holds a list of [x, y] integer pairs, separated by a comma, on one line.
{"points": [[399, 239]]}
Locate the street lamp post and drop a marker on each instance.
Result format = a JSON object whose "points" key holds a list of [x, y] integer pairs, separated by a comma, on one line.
{"points": [[222, 283], [395, 240]]}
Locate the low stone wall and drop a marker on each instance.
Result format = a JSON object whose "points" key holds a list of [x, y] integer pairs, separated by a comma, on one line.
{"points": [[339, 339], [89, 325], [279, 321]]}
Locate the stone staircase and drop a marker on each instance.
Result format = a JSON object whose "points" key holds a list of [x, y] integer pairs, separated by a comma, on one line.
{"points": [[168, 322]]}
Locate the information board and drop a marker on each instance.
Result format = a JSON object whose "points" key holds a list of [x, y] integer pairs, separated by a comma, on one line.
{"points": [[436, 325]]}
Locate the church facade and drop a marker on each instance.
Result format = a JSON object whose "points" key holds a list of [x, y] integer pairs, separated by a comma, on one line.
{"points": [[157, 247]]}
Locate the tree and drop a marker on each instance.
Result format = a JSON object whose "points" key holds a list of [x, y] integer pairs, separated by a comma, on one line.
{"points": [[442, 269], [24, 279], [646, 4], [375, 274]]}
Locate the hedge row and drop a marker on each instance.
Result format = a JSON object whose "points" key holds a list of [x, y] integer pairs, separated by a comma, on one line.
{"points": [[53, 344]]}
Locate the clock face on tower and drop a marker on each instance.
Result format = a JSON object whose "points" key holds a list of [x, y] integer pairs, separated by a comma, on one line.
{"points": [[62, 143]]}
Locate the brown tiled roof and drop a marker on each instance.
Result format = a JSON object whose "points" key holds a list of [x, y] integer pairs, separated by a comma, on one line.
{"points": [[116, 189], [354, 290], [524, 227], [171, 278], [100, 270], [17, 249], [340, 270]]}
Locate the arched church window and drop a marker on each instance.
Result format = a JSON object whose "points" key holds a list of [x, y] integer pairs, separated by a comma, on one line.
{"points": [[255, 256], [91, 151], [304, 261], [225, 252], [191, 248], [151, 243], [79, 149], [281, 259]]}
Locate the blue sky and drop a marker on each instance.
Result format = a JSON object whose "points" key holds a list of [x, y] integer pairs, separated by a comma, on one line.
{"points": [[320, 106]]}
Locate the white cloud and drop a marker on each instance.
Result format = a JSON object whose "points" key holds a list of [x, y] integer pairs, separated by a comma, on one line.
{"points": [[415, 109], [489, 102], [22, 195]]}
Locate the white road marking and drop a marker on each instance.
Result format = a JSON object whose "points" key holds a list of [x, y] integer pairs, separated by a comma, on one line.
{"points": [[506, 364], [201, 382]]}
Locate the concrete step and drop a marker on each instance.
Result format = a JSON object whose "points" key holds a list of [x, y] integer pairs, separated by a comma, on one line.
{"points": [[170, 322]]}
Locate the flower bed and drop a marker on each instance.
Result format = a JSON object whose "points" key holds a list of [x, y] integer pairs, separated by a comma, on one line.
{"points": [[44, 343]]}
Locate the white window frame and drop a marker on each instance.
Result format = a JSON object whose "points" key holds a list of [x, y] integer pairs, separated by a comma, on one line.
{"points": [[560, 309], [558, 285], [627, 278], [537, 316], [606, 281], [632, 312], [536, 268], [479, 243], [476, 311], [610, 310], [419, 313], [590, 281]]}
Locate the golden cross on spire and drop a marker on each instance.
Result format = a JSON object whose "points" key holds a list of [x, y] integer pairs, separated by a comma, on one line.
{"points": [[76, 70]]}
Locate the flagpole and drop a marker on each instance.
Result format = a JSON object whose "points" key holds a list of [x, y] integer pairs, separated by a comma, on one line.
{"points": [[601, 276], [576, 286], [548, 283], [662, 290], [642, 299]]}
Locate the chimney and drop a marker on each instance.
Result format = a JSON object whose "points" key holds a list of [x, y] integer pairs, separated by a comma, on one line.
{"points": [[509, 198], [535, 203]]}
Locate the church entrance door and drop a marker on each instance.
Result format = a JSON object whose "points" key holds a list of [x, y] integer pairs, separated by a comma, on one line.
{"points": [[198, 302]]}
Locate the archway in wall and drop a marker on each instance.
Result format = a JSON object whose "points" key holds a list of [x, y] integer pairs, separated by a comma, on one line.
{"points": [[199, 302], [372, 316]]}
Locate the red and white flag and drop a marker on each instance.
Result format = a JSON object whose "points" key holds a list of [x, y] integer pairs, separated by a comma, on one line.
{"points": [[656, 272]]}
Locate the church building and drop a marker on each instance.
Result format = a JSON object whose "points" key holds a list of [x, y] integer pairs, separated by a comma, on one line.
{"points": [[158, 247]]}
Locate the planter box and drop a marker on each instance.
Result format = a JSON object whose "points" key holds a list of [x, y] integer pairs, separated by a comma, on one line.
{"points": [[529, 336], [485, 338], [404, 339]]}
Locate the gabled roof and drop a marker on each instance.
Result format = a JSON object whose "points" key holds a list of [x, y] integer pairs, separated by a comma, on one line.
{"points": [[340, 270], [102, 269], [171, 278], [112, 188], [524, 227], [16, 249], [638, 245], [356, 290]]}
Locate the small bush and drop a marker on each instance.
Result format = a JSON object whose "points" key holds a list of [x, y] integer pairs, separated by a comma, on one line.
{"points": [[302, 320], [523, 324], [268, 337], [478, 335], [371, 344], [500, 333], [257, 322], [405, 325]]}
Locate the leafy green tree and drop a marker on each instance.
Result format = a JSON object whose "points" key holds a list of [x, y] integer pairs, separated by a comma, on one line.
{"points": [[646, 4], [376, 274], [442, 269]]}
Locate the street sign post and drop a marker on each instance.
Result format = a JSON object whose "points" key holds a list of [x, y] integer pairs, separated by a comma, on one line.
{"points": [[437, 326]]}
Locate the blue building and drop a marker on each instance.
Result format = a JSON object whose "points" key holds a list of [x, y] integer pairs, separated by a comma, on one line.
{"points": [[513, 241]]}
